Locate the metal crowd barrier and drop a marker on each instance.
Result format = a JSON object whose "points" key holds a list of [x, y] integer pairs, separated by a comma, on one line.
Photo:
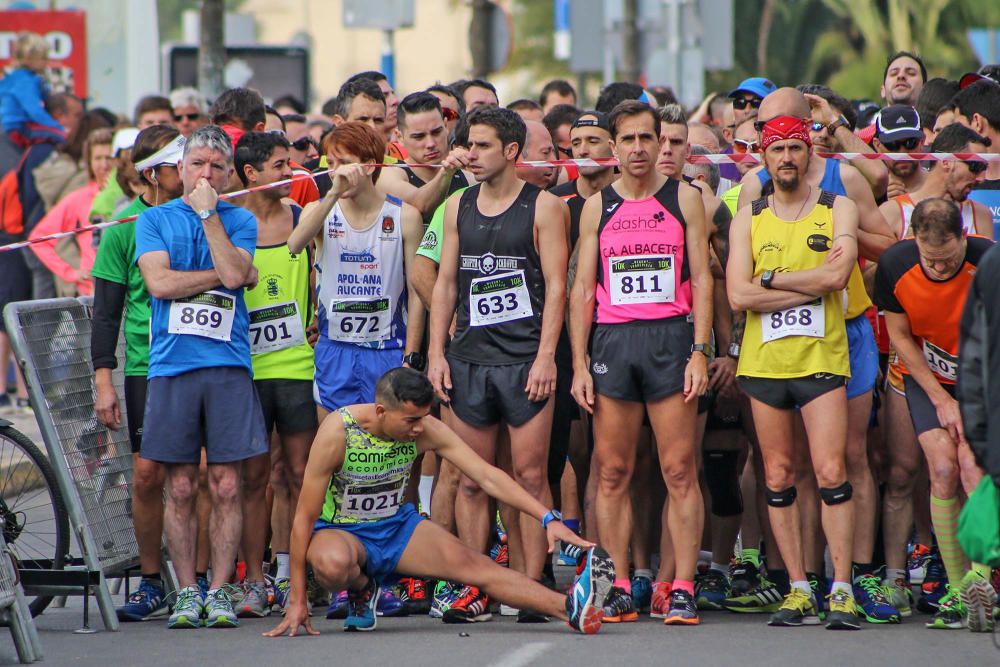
{"points": [[93, 464], [14, 611]]}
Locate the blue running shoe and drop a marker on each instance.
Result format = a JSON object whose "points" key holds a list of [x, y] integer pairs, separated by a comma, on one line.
{"points": [[202, 586], [338, 606], [389, 604], [873, 603], [584, 602], [820, 589], [145, 603], [935, 585], [711, 590], [445, 594], [642, 593], [282, 587], [362, 605]]}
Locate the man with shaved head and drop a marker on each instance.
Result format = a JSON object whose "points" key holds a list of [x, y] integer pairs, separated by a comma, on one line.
{"points": [[538, 146], [874, 236]]}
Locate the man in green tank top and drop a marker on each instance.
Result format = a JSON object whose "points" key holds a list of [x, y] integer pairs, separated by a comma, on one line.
{"points": [[356, 486]]}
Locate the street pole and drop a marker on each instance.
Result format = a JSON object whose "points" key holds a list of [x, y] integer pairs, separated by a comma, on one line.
{"points": [[212, 49], [480, 38], [631, 69], [388, 60]]}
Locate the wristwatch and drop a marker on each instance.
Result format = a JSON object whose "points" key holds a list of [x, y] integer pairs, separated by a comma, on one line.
{"points": [[704, 348], [840, 122], [415, 360], [766, 278], [207, 213], [734, 350], [552, 515]]}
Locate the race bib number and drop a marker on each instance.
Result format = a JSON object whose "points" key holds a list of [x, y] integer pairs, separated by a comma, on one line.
{"points": [[369, 503], [642, 279], [209, 314], [497, 299], [806, 320], [943, 364], [276, 327], [359, 321]]}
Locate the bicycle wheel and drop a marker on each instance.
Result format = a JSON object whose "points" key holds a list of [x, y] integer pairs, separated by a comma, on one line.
{"points": [[35, 522]]}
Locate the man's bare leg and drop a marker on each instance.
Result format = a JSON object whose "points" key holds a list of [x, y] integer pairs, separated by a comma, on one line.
{"points": [[529, 448], [226, 522], [179, 526]]}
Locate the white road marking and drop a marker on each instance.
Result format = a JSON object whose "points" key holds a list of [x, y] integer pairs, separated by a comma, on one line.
{"points": [[525, 655]]}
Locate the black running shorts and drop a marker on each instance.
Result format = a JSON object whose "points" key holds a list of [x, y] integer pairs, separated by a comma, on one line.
{"points": [[485, 395], [790, 393], [641, 361]]}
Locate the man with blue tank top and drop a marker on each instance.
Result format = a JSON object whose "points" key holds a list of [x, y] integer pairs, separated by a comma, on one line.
{"points": [[196, 256], [368, 314], [977, 106]]}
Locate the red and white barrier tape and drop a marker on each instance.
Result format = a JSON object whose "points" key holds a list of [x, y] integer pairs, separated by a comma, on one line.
{"points": [[715, 158]]}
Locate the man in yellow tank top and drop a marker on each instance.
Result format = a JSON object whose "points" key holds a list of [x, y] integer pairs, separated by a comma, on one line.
{"points": [[791, 257], [279, 308]]}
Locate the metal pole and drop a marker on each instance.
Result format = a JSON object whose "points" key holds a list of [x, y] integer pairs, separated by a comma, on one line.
{"points": [[631, 68], [212, 49], [388, 61]]}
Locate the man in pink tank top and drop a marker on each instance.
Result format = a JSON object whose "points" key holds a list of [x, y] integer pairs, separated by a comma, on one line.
{"points": [[643, 284]]}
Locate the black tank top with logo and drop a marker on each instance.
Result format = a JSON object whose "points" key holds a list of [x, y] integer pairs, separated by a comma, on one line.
{"points": [[501, 288]]}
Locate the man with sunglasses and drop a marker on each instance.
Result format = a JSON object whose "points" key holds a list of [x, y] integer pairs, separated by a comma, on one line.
{"points": [[189, 109], [746, 140], [747, 98], [303, 147], [425, 137], [978, 106], [898, 130]]}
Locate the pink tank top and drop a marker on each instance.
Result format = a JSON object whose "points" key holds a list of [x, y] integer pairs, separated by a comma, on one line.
{"points": [[642, 271]]}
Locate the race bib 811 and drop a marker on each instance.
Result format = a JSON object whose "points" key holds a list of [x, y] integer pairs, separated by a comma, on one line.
{"points": [[642, 279]]}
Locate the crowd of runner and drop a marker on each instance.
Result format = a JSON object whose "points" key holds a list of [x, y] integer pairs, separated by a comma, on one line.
{"points": [[386, 388]]}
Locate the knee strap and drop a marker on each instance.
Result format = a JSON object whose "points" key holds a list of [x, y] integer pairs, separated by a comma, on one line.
{"points": [[781, 498], [722, 477], [837, 495]]}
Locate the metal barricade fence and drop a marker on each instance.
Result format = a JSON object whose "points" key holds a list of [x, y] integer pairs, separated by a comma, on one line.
{"points": [[93, 464], [14, 610]]}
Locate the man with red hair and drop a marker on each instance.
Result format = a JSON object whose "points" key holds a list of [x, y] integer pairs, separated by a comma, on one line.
{"points": [[791, 255]]}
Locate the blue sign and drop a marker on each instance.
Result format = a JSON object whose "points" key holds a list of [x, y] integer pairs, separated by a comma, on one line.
{"points": [[986, 45]]}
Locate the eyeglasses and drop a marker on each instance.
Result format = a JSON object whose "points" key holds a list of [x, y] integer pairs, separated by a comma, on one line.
{"points": [[449, 114], [910, 144], [304, 143], [744, 102], [975, 166], [817, 127], [742, 147], [178, 117], [568, 152], [279, 133]]}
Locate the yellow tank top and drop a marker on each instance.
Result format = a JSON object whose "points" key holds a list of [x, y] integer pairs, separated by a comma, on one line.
{"points": [[807, 339], [857, 296]]}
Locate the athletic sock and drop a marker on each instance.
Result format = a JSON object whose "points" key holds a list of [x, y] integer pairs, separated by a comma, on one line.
{"points": [[424, 491], [284, 568], [683, 585], [842, 586], [944, 518], [802, 586], [646, 574], [892, 575], [624, 584], [752, 555]]}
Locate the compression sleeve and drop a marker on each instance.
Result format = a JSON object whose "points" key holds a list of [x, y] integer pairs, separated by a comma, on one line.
{"points": [[109, 301]]}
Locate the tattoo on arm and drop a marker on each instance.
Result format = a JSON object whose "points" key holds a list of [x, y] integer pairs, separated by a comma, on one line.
{"points": [[722, 219], [739, 324]]}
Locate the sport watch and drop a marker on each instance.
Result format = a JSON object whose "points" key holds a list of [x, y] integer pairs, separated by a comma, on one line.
{"points": [[704, 348], [415, 360], [766, 278], [734, 350], [207, 213], [840, 122], [552, 515]]}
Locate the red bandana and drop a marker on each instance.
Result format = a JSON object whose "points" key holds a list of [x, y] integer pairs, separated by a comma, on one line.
{"points": [[784, 127]]}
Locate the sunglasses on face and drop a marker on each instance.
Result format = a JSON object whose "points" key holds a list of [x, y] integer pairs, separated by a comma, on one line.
{"points": [[743, 147], [910, 144], [178, 117], [744, 102], [568, 152], [976, 167], [449, 114], [304, 143], [817, 127]]}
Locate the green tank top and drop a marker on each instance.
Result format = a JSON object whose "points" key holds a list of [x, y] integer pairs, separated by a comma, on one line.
{"points": [[372, 480], [280, 307]]}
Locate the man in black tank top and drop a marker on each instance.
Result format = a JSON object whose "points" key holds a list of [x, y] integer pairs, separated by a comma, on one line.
{"points": [[510, 301], [425, 138]]}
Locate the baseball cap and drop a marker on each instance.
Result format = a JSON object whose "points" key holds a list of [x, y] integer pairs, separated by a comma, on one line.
{"points": [[756, 85], [987, 73], [592, 119], [123, 140], [897, 123]]}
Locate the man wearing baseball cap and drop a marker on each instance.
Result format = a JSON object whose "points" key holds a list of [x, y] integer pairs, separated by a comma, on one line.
{"points": [[897, 130], [746, 99]]}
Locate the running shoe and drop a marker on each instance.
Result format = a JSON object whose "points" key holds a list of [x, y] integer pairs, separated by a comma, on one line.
{"points": [[568, 556], [254, 603], [203, 586], [389, 604], [683, 610], [619, 608], [642, 593], [592, 584], [188, 608], [979, 598], [339, 606], [873, 601], [471, 606], [934, 587], [507, 610], [900, 596], [745, 576], [660, 605], [361, 617], [219, 611], [282, 587], [148, 601], [917, 562], [843, 613], [500, 554], [951, 611], [711, 590], [416, 600], [528, 616], [765, 598], [819, 588], [798, 608], [445, 594]]}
